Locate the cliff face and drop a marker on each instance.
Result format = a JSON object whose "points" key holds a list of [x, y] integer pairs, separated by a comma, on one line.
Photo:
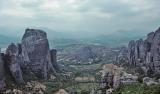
{"points": [[122, 56], [2, 74], [145, 52], [53, 53], [32, 56], [36, 48], [14, 65]]}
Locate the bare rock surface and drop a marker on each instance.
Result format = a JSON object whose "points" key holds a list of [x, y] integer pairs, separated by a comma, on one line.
{"points": [[2, 74], [53, 53], [35, 47], [149, 81], [114, 76], [14, 64], [32, 58], [145, 53]]}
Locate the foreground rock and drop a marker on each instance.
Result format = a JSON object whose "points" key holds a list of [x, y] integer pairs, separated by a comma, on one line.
{"points": [[14, 91], [149, 81], [127, 79], [35, 87], [31, 87], [61, 91], [114, 76]]}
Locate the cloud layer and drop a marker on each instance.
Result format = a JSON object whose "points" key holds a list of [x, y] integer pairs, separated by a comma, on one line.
{"points": [[95, 16]]}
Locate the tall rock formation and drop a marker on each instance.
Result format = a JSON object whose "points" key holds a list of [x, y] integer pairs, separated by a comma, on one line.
{"points": [[2, 74], [148, 45], [31, 57], [35, 50], [155, 51], [140, 53], [131, 52], [123, 55], [146, 53], [14, 65], [53, 53]]}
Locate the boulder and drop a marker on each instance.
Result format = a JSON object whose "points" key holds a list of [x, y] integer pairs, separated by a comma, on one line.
{"points": [[149, 81], [109, 91], [62, 91], [128, 79]]}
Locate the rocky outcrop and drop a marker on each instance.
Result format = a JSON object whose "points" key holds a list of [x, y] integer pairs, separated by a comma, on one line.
{"points": [[126, 79], [140, 53], [32, 56], [35, 87], [35, 48], [62, 91], [149, 81], [85, 54], [146, 53], [2, 74], [122, 56], [53, 53], [131, 52], [14, 65], [114, 76], [155, 51]]}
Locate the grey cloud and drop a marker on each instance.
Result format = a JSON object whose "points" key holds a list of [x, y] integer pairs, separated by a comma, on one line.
{"points": [[95, 16]]}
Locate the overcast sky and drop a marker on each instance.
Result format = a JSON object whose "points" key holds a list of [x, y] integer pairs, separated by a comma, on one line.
{"points": [[95, 16]]}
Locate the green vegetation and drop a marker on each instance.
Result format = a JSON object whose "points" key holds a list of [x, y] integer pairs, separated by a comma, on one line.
{"points": [[83, 87], [138, 89], [52, 87], [69, 84]]}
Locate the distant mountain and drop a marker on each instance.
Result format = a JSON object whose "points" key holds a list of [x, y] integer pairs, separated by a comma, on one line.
{"points": [[76, 35], [118, 39], [61, 38]]}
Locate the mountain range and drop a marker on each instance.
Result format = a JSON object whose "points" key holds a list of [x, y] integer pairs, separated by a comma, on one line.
{"points": [[61, 38]]}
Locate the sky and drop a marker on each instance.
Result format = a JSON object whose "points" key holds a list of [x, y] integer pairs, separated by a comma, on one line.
{"points": [[97, 17]]}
